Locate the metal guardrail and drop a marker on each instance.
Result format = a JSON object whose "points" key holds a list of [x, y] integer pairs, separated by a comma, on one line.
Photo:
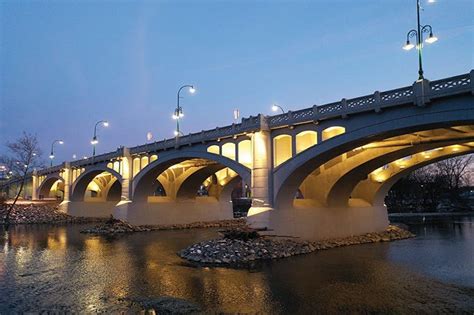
{"points": [[401, 96]]}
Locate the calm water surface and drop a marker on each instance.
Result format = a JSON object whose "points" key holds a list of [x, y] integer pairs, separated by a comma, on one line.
{"points": [[59, 269]]}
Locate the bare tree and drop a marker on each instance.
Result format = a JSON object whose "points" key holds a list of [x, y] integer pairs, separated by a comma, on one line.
{"points": [[424, 189], [24, 155], [455, 171]]}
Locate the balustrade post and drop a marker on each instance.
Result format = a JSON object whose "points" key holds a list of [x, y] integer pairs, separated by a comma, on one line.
{"points": [[344, 108], [316, 114], [421, 92], [377, 102]]}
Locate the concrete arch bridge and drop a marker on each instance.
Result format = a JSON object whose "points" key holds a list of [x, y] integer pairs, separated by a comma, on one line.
{"points": [[316, 173]]}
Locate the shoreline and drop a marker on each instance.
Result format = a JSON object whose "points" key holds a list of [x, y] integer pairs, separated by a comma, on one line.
{"points": [[41, 213]]}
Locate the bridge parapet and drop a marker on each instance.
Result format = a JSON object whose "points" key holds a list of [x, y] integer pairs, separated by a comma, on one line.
{"points": [[249, 124], [449, 86], [51, 170], [106, 157]]}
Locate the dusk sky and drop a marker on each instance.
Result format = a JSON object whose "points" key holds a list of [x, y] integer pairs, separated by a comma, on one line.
{"points": [[66, 64]]}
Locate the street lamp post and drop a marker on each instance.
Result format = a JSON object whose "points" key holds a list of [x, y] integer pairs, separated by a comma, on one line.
{"points": [[276, 107], [418, 33], [51, 155], [94, 140], [178, 112]]}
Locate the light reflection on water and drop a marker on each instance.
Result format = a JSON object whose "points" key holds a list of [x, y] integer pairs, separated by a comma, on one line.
{"points": [[57, 268]]}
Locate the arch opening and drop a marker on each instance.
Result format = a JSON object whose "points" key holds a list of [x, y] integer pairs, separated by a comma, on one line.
{"points": [[97, 185], [51, 188], [228, 150], [245, 153], [214, 149], [181, 177], [282, 149], [333, 131], [305, 140], [332, 184]]}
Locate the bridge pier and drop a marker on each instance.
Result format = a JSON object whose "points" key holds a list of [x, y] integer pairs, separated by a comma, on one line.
{"points": [[261, 182], [318, 223], [99, 209], [126, 175], [67, 176], [166, 211], [34, 186], [121, 209]]}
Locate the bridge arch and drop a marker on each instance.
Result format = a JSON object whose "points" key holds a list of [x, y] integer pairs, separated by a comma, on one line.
{"points": [[190, 185], [366, 129], [339, 193], [80, 185], [379, 193], [46, 185], [143, 182]]}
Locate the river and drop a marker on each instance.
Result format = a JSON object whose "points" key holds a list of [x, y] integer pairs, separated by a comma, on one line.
{"points": [[55, 268]]}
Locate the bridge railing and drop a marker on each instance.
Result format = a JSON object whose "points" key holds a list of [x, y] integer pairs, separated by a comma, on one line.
{"points": [[449, 86], [50, 170], [98, 158], [378, 100], [247, 125]]}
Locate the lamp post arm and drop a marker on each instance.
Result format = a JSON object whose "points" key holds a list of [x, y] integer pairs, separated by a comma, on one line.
{"points": [[52, 151], [281, 108], [184, 86], [178, 107], [179, 91], [411, 34], [427, 29], [52, 145], [95, 127]]}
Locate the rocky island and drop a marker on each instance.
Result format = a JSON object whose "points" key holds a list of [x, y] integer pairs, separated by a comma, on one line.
{"points": [[243, 246]]}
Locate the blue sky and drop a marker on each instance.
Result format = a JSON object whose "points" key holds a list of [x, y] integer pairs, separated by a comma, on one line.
{"points": [[66, 64]]}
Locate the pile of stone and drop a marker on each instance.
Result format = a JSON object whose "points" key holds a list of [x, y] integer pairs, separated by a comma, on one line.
{"points": [[237, 251], [198, 225], [39, 214], [243, 233], [115, 226]]}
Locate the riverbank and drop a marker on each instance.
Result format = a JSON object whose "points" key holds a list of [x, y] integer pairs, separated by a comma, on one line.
{"points": [[231, 251], [40, 213]]}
